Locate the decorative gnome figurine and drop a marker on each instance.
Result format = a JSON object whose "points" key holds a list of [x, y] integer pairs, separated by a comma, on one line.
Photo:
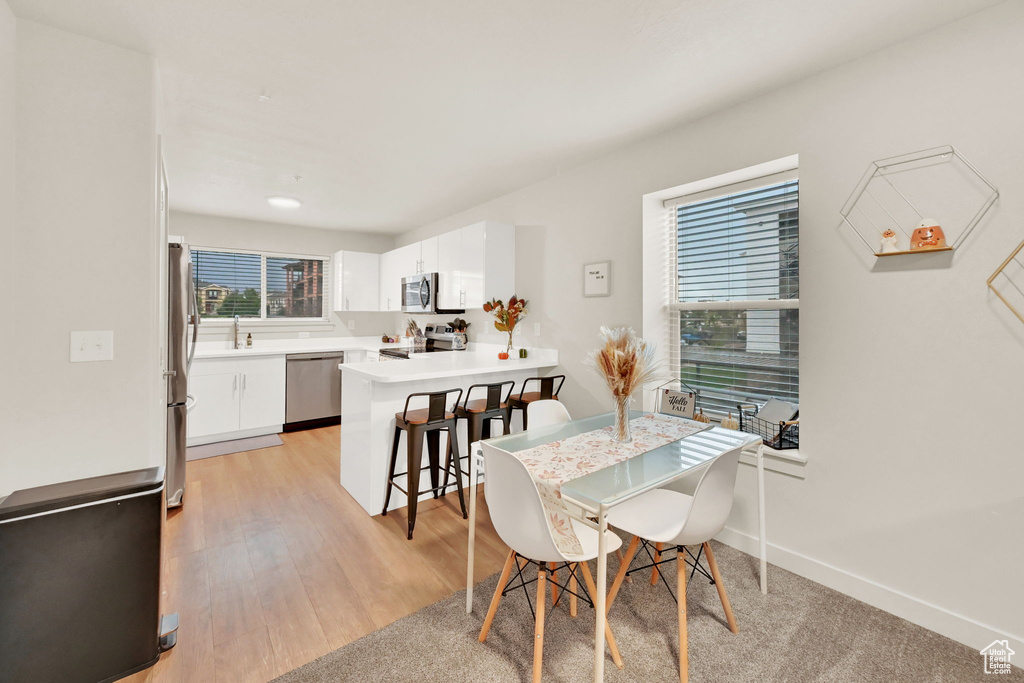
{"points": [[889, 242]]}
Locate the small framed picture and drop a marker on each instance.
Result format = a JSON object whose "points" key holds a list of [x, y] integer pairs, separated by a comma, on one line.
{"points": [[597, 279]]}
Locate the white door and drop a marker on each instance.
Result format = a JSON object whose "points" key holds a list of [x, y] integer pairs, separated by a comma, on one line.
{"points": [[407, 261], [472, 259], [360, 282], [216, 407], [390, 282], [429, 255], [449, 270], [262, 399]]}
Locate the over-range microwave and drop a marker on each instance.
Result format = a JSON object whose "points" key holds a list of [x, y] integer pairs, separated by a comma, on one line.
{"points": [[419, 295]]}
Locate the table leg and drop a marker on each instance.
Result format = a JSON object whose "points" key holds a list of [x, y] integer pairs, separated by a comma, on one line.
{"points": [[472, 526], [602, 591], [762, 539]]}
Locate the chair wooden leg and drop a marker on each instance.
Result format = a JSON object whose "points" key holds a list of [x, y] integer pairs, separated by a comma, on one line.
{"points": [[623, 567], [608, 635], [720, 585], [538, 629], [657, 558], [502, 581], [618, 554], [573, 590], [684, 655], [554, 578]]}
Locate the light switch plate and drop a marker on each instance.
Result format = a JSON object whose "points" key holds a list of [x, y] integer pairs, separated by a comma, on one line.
{"points": [[536, 329], [92, 346], [351, 324]]}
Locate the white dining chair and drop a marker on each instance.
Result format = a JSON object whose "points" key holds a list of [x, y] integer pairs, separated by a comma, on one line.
{"points": [[519, 518], [546, 412], [670, 518]]}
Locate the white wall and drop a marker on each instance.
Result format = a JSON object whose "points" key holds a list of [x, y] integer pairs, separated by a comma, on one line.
{"points": [[82, 256], [911, 373], [201, 230]]}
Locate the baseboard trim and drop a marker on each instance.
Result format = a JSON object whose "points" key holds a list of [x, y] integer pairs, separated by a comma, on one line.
{"points": [[958, 627]]}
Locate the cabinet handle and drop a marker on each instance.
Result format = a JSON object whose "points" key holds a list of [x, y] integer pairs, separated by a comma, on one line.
{"points": [[243, 382], [234, 384]]}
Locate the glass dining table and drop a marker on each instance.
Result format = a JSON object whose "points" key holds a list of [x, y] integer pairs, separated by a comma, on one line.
{"points": [[599, 491]]}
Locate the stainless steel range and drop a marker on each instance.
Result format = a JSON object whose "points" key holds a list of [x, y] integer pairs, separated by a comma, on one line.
{"points": [[439, 338]]}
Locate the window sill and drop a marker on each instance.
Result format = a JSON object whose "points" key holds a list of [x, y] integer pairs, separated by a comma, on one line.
{"points": [[788, 462]]}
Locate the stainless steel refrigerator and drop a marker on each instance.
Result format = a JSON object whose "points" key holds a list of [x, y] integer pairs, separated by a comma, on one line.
{"points": [[182, 331]]}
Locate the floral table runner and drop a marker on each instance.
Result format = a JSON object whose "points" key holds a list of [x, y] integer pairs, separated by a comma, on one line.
{"points": [[553, 464]]}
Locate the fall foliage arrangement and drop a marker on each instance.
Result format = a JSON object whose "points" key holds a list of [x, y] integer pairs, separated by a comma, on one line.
{"points": [[506, 317]]}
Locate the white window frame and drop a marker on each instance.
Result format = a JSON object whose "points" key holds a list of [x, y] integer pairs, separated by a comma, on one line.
{"points": [[263, 320], [660, 309]]}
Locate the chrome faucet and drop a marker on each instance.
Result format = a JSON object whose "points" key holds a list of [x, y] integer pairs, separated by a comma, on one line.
{"points": [[238, 333]]}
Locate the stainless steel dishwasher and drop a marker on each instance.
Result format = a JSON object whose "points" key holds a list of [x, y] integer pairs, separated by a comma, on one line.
{"points": [[313, 388]]}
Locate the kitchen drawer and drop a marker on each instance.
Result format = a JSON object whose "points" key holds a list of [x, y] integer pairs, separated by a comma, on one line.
{"points": [[220, 366]]}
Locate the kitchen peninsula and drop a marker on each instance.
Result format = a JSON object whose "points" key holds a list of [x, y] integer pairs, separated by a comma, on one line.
{"points": [[374, 391]]}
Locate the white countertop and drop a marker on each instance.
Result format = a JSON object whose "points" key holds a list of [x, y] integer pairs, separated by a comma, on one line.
{"points": [[280, 347], [450, 364]]}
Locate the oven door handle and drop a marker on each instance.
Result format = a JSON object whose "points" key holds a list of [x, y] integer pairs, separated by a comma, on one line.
{"points": [[424, 293]]}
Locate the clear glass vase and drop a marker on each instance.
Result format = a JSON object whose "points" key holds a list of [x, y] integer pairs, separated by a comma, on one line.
{"points": [[620, 431]]}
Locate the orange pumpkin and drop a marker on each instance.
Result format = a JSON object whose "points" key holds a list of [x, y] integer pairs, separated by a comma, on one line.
{"points": [[927, 237]]}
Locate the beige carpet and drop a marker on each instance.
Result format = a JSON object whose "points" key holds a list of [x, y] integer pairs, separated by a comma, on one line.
{"points": [[800, 631]]}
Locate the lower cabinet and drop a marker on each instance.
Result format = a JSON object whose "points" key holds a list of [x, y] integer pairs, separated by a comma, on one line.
{"points": [[235, 398]]}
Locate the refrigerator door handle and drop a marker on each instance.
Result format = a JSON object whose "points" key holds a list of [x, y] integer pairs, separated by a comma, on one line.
{"points": [[193, 303], [190, 403]]}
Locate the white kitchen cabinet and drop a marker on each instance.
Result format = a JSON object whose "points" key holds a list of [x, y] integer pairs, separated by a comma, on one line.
{"points": [[449, 270], [356, 281], [261, 399], [489, 263], [474, 265], [477, 264], [216, 404], [236, 398], [428, 255], [408, 260], [394, 265], [390, 282]]}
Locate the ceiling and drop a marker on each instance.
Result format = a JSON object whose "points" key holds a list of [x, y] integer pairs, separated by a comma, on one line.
{"points": [[397, 113]]}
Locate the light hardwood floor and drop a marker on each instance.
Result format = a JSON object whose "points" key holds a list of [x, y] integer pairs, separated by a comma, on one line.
{"points": [[271, 564]]}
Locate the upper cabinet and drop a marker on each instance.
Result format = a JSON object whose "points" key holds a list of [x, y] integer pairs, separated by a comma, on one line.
{"points": [[474, 264], [357, 278], [449, 270], [429, 254], [489, 263]]}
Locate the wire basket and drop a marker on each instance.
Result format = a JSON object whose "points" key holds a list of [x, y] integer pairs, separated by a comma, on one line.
{"points": [[778, 435]]}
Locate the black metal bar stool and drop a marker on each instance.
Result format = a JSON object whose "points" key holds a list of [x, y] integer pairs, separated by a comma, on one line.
{"points": [[525, 398], [429, 422], [478, 415]]}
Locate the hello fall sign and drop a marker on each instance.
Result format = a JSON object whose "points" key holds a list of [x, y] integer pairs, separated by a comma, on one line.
{"points": [[678, 403]]}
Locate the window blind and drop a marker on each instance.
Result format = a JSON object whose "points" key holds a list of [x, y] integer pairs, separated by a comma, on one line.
{"points": [[227, 283], [295, 287], [258, 285], [734, 275]]}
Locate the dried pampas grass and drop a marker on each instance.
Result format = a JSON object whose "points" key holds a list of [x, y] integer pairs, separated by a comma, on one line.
{"points": [[625, 361]]}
